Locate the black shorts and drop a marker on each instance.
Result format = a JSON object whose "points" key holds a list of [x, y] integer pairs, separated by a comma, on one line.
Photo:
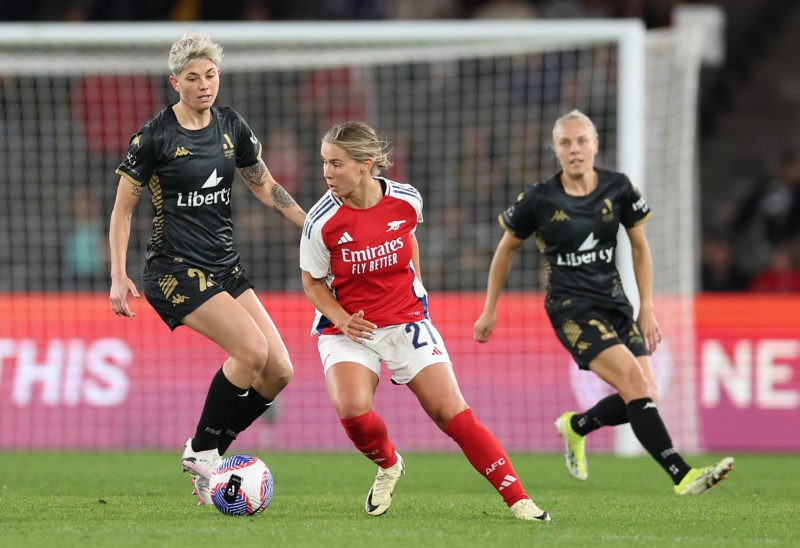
{"points": [[175, 289], [587, 333]]}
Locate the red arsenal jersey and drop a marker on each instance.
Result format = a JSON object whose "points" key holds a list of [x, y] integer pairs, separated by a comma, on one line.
{"points": [[365, 256]]}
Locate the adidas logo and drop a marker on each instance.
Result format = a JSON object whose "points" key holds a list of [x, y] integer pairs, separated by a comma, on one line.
{"points": [[436, 351], [345, 239], [507, 481], [649, 405], [559, 215]]}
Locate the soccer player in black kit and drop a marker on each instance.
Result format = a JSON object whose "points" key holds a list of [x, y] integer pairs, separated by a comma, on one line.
{"points": [[187, 156], [576, 214]]}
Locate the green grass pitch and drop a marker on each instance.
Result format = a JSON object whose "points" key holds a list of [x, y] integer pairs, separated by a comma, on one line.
{"points": [[142, 499]]}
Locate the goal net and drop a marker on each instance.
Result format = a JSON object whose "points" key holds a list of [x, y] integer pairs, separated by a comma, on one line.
{"points": [[468, 108]]}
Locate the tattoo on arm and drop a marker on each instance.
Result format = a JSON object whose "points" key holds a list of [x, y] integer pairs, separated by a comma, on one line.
{"points": [[137, 190], [252, 175], [281, 197]]}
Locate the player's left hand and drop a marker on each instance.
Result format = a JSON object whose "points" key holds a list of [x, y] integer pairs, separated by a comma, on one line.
{"points": [[483, 327]]}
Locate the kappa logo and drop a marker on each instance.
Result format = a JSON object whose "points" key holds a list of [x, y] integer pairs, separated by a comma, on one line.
{"points": [[179, 299], [345, 239], [559, 215], [394, 225], [182, 151]]}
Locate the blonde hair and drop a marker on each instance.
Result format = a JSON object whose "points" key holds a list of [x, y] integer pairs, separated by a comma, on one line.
{"points": [[575, 114], [360, 142], [191, 47]]}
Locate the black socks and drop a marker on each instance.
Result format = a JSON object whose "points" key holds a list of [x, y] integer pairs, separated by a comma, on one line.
{"points": [[222, 401], [610, 411], [253, 406], [652, 434]]}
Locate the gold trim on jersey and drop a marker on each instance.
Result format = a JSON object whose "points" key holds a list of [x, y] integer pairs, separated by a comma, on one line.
{"points": [[157, 198]]}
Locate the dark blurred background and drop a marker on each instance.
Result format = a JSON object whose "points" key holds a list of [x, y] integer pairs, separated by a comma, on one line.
{"points": [[749, 114]]}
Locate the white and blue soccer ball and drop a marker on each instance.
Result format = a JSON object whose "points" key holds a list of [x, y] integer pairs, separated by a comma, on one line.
{"points": [[242, 485]]}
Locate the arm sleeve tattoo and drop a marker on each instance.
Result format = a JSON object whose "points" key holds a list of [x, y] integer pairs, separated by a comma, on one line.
{"points": [[252, 175]]}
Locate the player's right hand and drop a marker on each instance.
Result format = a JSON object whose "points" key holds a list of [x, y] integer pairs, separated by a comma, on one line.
{"points": [[357, 329]]}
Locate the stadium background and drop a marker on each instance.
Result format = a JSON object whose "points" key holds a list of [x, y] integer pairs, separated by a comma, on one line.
{"points": [[469, 131]]}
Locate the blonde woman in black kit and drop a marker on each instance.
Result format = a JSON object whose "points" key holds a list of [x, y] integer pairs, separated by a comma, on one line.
{"points": [[188, 156], [576, 215]]}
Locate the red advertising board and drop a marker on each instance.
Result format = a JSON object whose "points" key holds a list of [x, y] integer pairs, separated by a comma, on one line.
{"points": [[74, 376], [749, 372]]}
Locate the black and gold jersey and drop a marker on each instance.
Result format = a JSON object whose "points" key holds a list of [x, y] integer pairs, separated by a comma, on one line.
{"points": [[578, 237], [190, 174]]}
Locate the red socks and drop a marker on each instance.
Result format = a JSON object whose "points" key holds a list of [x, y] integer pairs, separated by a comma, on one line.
{"points": [[486, 455], [482, 449], [369, 435]]}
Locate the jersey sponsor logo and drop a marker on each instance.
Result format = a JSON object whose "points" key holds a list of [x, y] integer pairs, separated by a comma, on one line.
{"points": [[196, 198], [372, 258], [559, 215], [181, 151], [345, 239], [585, 254], [589, 243], [394, 225], [212, 180], [577, 259]]}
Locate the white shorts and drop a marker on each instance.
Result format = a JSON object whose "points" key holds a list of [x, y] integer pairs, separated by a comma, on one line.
{"points": [[406, 349]]}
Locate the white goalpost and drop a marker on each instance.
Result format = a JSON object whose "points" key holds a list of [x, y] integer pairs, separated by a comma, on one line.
{"points": [[468, 107]]}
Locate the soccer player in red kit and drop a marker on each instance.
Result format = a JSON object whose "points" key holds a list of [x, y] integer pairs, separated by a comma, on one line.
{"points": [[360, 268]]}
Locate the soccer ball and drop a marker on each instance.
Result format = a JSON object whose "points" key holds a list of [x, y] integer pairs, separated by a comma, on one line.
{"points": [[242, 485]]}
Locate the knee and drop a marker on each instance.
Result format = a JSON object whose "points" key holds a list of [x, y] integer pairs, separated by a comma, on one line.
{"points": [[252, 359], [635, 386], [281, 371], [653, 391], [350, 409], [443, 414]]}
